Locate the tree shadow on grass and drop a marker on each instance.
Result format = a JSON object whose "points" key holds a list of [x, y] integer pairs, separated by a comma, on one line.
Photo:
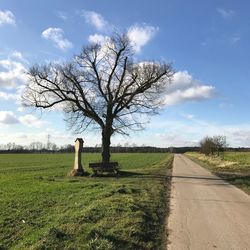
{"points": [[234, 176], [130, 174], [226, 177], [236, 179], [125, 174], [231, 178]]}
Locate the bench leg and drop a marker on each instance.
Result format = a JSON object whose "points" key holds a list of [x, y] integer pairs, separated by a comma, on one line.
{"points": [[116, 172], [95, 173]]}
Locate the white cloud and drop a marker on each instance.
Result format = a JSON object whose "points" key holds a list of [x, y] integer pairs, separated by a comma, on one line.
{"points": [[56, 36], [8, 96], [7, 17], [97, 38], [17, 55], [188, 116], [31, 121], [20, 109], [62, 15], [189, 133], [8, 117], [140, 35], [12, 73], [225, 13], [234, 39], [238, 137], [41, 135], [225, 105], [185, 88], [95, 19], [174, 139]]}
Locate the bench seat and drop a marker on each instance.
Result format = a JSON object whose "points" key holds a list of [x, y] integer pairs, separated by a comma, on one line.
{"points": [[98, 167]]}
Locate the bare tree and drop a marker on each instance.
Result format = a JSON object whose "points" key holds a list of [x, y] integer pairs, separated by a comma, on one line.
{"points": [[36, 146], [220, 142], [207, 146], [210, 145], [101, 88]]}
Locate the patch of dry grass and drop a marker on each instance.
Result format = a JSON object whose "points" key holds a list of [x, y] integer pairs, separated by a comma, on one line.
{"points": [[234, 167], [213, 160]]}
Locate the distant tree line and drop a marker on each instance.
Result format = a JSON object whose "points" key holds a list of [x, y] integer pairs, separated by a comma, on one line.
{"points": [[215, 145], [39, 147], [35, 147]]}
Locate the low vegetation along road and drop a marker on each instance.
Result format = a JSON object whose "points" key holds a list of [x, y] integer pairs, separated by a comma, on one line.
{"points": [[206, 212]]}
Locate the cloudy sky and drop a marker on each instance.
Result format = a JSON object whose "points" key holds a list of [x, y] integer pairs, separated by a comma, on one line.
{"points": [[208, 43]]}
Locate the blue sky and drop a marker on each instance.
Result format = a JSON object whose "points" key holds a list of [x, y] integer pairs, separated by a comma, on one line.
{"points": [[206, 41]]}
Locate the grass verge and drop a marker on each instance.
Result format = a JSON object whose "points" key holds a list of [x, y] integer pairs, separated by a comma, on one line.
{"points": [[234, 167], [42, 208]]}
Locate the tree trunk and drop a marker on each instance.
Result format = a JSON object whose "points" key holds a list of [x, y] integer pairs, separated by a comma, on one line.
{"points": [[106, 134]]}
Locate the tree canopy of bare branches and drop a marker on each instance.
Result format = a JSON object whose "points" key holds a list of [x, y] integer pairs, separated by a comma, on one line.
{"points": [[102, 87], [210, 145]]}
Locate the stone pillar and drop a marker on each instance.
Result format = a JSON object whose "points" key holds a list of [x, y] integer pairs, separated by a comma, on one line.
{"points": [[78, 168], [78, 151]]}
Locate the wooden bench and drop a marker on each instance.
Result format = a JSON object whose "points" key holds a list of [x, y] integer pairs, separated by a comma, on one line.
{"points": [[99, 168]]}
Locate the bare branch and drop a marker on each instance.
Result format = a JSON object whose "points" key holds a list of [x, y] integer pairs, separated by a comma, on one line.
{"points": [[101, 88]]}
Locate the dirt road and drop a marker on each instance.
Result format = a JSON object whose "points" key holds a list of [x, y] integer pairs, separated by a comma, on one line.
{"points": [[206, 212]]}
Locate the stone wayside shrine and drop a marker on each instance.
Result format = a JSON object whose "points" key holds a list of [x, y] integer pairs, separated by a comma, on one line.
{"points": [[98, 167], [78, 168]]}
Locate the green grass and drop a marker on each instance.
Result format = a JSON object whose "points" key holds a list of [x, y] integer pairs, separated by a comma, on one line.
{"points": [[233, 167], [42, 208]]}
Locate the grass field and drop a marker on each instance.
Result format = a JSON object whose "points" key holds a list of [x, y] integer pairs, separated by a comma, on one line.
{"points": [[234, 167], [42, 208]]}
